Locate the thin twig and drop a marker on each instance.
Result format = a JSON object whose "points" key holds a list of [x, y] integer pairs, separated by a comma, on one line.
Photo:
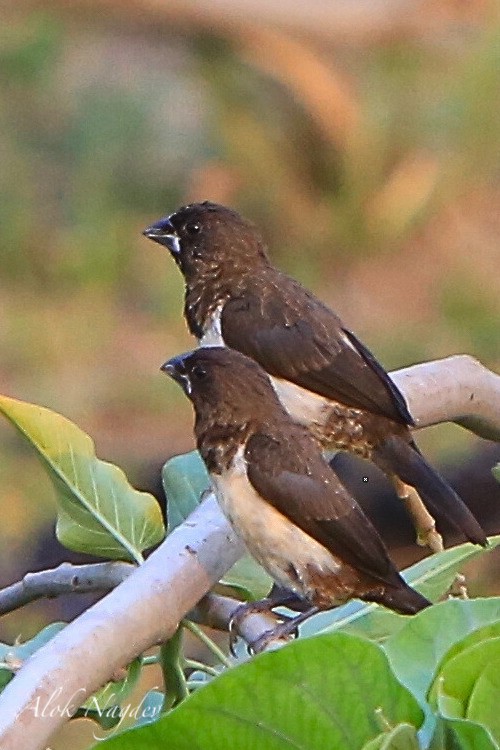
{"points": [[200, 666], [174, 679], [65, 579], [208, 642]]}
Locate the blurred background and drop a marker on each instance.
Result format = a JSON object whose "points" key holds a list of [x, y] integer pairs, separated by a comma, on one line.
{"points": [[363, 138]]}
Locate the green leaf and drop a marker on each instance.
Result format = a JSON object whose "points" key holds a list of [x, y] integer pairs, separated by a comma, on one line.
{"points": [[185, 480], [246, 579], [12, 657], [430, 634], [432, 577], [324, 692], [446, 705], [369, 621], [459, 734], [466, 686], [402, 737], [100, 513], [483, 700], [491, 630]]}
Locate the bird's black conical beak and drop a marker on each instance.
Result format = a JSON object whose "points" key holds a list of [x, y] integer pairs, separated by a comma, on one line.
{"points": [[176, 369], [165, 234]]}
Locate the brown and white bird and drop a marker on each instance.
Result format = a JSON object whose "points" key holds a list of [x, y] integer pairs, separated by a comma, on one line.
{"points": [[282, 498], [325, 377]]}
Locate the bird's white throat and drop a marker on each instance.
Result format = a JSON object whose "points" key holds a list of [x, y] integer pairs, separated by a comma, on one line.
{"points": [[212, 335]]}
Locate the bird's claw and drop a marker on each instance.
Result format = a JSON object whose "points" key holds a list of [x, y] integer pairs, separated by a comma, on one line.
{"points": [[249, 608], [284, 631]]}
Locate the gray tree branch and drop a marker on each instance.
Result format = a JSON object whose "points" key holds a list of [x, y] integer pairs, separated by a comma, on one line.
{"points": [[212, 610], [65, 579], [146, 608], [456, 389]]}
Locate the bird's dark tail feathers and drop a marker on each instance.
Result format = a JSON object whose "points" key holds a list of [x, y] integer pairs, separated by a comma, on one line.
{"points": [[402, 599], [405, 460]]}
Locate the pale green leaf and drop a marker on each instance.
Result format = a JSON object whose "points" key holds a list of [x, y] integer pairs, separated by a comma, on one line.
{"points": [[247, 578], [491, 630], [466, 685], [100, 513], [483, 700], [429, 635], [185, 479]]}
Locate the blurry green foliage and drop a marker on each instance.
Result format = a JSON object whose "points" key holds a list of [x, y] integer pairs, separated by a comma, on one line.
{"points": [[472, 314]]}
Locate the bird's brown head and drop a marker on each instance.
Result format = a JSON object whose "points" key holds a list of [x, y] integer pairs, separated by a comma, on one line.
{"points": [[203, 237], [224, 386]]}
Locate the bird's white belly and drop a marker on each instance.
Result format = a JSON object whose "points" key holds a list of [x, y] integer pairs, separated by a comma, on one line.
{"points": [[273, 540]]}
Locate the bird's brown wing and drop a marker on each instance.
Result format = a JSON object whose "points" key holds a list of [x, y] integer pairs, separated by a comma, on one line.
{"points": [[318, 504], [294, 336]]}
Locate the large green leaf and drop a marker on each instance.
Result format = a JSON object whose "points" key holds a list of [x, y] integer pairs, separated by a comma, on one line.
{"points": [[417, 650], [467, 685], [483, 699], [429, 635], [491, 630], [185, 480], [333, 691], [99, 511]]}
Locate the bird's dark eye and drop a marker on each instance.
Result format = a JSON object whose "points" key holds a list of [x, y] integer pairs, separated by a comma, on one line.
{"points": [[199, 372], [192, 228]]}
